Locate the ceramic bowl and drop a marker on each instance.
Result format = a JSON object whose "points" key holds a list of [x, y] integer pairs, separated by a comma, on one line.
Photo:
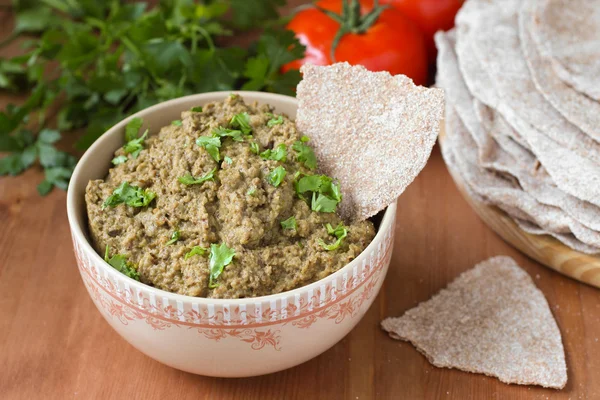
{"points": [[225, 338]]}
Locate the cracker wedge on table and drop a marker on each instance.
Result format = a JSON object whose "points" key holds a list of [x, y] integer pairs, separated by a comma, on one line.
{"points": [[371, 130], [492, 320]]}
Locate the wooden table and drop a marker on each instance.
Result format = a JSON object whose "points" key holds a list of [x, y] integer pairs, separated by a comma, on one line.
{"points": [[54, 344]]}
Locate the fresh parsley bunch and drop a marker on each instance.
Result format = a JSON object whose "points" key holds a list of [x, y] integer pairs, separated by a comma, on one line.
{"points": [[88, 64]]}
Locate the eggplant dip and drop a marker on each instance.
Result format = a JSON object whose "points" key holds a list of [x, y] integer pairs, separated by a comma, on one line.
{"points": [[224, 203]]}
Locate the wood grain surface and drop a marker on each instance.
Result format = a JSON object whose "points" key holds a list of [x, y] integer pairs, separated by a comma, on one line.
{"points": [[54, 344]]}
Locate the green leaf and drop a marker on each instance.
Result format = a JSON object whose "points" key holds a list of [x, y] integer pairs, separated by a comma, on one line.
{"points": [[228, 160], [177, 122], [220, 257], [251, 191], [49, 136], [44, 187], [275, 121], [232, 133], [254, 147], [276, 176], [196, 250], [132, 128], [278, 154], [196, 109], [305, 154], [35, 19], [211, 145], [340, 232], [249, 14], [131, 195], [188, 179], [119, 160], [120, 263], [135, 146], [174, 237], [241, 121], [289, 223], [11, 165], [322, 203]]}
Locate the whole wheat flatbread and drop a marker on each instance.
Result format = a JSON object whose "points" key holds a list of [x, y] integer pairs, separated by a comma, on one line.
{"points": [[567, 239], [576, 107], [491, 27], [492, 320], [506, 193], [568, 33], [518, 162], [571, 172], [372, 131]]}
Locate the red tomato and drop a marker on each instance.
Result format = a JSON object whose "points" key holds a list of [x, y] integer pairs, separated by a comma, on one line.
{"points": [[392, 43], [430, 16]]}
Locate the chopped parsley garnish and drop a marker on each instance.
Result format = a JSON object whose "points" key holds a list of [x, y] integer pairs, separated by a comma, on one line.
{"points": [[177, 122], [119, 160], [251, 191], [232, 133], [228, 160], [254, 147], [196, 250], [275, 121], [131, 195], [305, 154], [133, 143], [325, 193], [196, 109], [241, 121], [340, 232], [211, 145], [220, 257], [174, 238], [276, 176], [188, 179], [120, 263], [289, 223], [277, 154]]}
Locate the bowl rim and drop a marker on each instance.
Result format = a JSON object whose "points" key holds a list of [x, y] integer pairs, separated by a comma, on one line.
{"points": [[78, 232]]}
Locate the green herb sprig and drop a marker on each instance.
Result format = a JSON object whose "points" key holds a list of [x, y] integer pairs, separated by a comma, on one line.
{"points": [[120, 263], [340, 232], [92, 63]]}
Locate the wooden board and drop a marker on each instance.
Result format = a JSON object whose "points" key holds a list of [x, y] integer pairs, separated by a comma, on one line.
{"points": [[542, 248]]}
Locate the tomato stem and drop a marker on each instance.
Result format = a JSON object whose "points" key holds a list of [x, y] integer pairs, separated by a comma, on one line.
{"points": [[351, 20]]}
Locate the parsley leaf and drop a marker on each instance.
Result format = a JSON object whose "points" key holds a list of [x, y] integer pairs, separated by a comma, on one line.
{"points": [[131, 195], [132, 128], [241, 121], [254, 147], [232, 133], [326, 194], [305, 154], [289, 223], [251, 191], [135, 146], [188, 179], [119, 160], [278, 154], [340, 232], [228, 160], [276, 176], [211, 145], [275, 121], [196, 109], [177, 122], [220, 257], [196, 250], [120, 263], [174, 237]]}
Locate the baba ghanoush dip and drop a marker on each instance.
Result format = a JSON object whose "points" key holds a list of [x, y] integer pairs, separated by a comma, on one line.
{"points": [[224, 203]]}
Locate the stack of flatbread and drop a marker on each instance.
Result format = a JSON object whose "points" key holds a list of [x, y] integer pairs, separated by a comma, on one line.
{"points": [[522, 81]]}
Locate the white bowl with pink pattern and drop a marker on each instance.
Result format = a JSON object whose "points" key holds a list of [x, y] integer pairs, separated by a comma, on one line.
{"points": [[225, 338]]}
